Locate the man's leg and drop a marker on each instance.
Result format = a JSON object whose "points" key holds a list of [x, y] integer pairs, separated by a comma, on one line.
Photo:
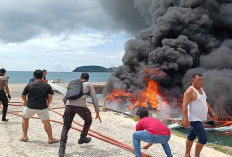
{"points": [[48, 129], [69, 114], [137, 137], [189, 145], [85, 114], [202, 137], [198, 149], [44, 116], [68, 118], [27, 114], [189, 142], [25, 125], [4, 101], [166, 146]]}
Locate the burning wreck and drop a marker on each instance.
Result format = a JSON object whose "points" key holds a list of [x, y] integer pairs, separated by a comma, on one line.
{"points": [[183, 37]]}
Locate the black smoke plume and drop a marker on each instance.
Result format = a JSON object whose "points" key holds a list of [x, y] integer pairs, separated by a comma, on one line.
{"points": [[184, 37]]}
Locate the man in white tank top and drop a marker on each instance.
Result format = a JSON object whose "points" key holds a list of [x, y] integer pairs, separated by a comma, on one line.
{"points": [[195, 110]]}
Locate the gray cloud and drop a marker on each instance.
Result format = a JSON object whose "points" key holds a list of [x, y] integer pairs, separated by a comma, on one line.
{"points": [[26, 19], [123, 15]]}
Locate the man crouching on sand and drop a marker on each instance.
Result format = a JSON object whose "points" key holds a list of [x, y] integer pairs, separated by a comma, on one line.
{"points": [[150, 130], [39, 97]]}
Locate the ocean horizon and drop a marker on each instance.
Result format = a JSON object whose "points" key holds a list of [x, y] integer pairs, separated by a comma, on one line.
{"points": [[16, 77]]}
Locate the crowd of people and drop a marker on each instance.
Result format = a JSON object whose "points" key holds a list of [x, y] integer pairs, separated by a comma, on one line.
{"points": [[37, 96]]}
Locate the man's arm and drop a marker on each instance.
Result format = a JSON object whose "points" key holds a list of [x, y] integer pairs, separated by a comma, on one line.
{"points": [[95, 102], [98, 116], [24, 100], [7, 90], [49, 99], [186, 100], [212, 112]]}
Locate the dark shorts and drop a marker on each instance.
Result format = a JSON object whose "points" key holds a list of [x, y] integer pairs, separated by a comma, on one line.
{"points": [[197, 130]]}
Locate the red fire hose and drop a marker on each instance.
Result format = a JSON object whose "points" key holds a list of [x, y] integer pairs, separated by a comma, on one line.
{"points": [[103, 137]]}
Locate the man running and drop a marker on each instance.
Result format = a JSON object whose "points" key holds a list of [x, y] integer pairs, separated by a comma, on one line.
{"points": [[79, 106]]}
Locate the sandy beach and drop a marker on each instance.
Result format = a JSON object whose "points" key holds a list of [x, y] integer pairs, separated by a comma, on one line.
{"points": [[114, 125]]}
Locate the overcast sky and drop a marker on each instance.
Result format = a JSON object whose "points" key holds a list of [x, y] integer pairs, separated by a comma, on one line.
{"points": [[60, 35]]}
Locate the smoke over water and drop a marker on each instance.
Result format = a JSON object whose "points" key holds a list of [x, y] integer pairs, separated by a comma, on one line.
{"points": [[188, 36]]}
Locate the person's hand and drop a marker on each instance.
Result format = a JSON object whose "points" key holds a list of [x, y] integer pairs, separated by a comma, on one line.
{"points": [[215, 116], [98, 116], [186, 123], [65, 100], [144, 147], [25, 103], [147, 146], [9, 97]]}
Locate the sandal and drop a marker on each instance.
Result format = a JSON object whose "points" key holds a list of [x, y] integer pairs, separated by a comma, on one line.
{"points": [[23, 139], [54, 140]]}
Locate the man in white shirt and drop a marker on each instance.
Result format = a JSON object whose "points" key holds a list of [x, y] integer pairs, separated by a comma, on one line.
{"points": [[195, 109]]}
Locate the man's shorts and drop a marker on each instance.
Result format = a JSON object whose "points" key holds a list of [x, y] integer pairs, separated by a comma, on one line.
{"points": [[197, 129], [42, 114]]}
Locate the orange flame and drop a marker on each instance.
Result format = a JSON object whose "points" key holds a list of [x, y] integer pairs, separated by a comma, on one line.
{"points": [[152, 97], [224, 120], [144, 98]]}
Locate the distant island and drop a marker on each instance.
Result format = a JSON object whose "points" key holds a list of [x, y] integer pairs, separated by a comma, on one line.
{"points": [[94, 68]]}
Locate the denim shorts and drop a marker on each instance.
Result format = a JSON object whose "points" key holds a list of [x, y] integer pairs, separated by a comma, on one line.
{"points": [[197, 130]]}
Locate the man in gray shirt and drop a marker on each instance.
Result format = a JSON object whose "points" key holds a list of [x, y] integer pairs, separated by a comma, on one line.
{"points": [[79, 106], [3, 90]]}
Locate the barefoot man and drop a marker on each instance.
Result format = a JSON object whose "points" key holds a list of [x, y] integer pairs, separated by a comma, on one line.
{"points": [[195, 109]]}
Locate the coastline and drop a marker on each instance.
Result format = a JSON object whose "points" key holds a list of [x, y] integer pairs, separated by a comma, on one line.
{"points": [[114, 125]]}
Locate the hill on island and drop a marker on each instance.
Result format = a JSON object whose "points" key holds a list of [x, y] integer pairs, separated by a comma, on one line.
{"points": [[94, 68]]}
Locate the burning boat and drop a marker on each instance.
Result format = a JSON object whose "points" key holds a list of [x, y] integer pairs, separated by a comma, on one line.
{"points": [[182, 37]]}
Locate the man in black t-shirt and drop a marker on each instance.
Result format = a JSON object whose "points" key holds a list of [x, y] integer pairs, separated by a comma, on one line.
{"points": [[37, 97]]}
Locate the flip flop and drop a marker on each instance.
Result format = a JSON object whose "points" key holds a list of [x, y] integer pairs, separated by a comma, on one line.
{"points": [[24, 139], [54, 140]]}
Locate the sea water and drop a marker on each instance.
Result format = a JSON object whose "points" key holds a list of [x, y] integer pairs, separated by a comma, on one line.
{"points": [[215, 137], [16, 77]]}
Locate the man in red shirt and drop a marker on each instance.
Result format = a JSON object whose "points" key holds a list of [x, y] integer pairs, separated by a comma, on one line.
{"points": [[150, 130]]}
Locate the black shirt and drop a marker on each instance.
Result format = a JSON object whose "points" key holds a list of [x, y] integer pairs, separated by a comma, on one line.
{"points": [[37, 94]]}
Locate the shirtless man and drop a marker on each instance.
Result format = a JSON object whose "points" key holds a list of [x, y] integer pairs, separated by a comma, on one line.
{"points": [[195, 109]]}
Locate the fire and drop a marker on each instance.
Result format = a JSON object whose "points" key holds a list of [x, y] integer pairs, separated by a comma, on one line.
{"points": [[223, 120], [152, 97], [149, 97], [119, 93]]}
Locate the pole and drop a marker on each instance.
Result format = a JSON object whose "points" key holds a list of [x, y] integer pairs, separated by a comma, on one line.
{"points": [[150, 37]]}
